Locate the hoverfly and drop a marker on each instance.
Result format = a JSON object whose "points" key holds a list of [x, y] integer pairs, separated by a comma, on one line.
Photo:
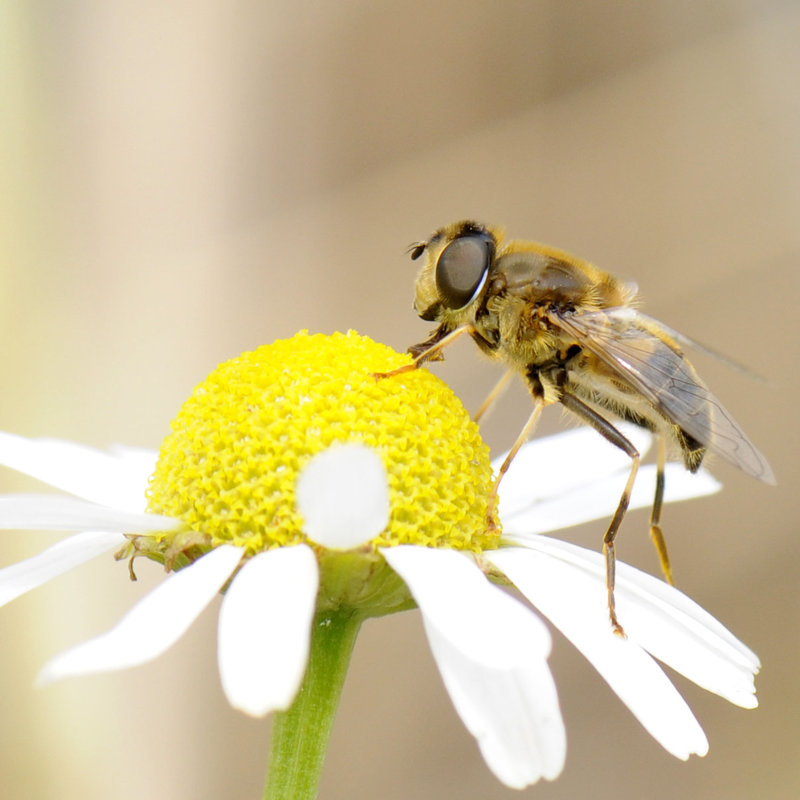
{"points": [[573, 334]]}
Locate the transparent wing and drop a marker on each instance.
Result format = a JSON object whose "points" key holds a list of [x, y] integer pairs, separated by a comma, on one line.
{"points": [[686, 341], [638, 350]]}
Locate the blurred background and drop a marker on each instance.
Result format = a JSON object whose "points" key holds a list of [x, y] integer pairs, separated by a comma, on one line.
{"points": [[184, 181]]}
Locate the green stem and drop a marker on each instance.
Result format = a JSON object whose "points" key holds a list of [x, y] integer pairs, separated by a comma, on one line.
{"points": [[300, 735]]}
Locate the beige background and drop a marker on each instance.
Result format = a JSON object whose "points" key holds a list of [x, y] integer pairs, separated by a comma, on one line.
{"points": [[183, 181]]}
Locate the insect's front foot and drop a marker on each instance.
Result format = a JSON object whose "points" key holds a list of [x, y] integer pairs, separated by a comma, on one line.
{"points": [[379, 376]]}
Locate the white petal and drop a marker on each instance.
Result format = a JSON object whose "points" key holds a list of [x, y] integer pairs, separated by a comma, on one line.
{"points": [[598, 499], [577, 607], [116, 481], [343, 495], [556, 465], [50, 512], [492, 654], [153, 624], [671, 626], [265, 629], [61, 557]]}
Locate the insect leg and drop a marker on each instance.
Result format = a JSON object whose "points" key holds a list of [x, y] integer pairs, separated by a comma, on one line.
{"points": [[493, 395], [429, 353], [611, 434], [521, 439], [655, 515]]}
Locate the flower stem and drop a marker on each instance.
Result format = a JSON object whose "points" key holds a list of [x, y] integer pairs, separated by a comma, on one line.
{"points": [[300, 735]]}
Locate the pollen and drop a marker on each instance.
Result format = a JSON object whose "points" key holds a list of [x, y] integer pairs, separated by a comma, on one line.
{"points": [[229, 467]]}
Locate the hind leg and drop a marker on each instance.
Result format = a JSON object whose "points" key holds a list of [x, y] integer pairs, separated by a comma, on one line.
{"points": [[611, 434]]}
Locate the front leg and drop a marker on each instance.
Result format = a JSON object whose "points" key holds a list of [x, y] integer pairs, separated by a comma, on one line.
{"points": [[524, 435], [417, 350], [429, 350]]}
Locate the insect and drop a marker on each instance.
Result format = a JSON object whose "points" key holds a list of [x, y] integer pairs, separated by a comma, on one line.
{"points": [[574, 335]]}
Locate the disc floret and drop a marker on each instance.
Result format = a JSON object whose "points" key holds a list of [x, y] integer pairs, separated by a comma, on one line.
{"points": [[229, 467]]}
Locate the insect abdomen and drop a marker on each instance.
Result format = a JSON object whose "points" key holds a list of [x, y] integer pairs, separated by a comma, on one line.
{"points": [[692, 450]]}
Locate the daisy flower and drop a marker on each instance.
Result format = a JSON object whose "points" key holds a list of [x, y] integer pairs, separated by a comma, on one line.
{"points": [[315, 497]]}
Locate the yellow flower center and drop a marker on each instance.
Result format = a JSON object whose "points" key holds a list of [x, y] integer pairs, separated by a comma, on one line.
{"points": [[230, 466]]}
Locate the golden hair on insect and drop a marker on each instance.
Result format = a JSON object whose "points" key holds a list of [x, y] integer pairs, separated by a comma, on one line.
{"points": [[576, 337]]}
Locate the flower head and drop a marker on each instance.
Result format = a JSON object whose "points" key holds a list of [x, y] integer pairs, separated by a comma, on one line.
{"points": [[299, 486], [231, 464]]}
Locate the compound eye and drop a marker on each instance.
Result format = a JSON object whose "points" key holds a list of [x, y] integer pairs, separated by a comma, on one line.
{"points": [[462, 269]]}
